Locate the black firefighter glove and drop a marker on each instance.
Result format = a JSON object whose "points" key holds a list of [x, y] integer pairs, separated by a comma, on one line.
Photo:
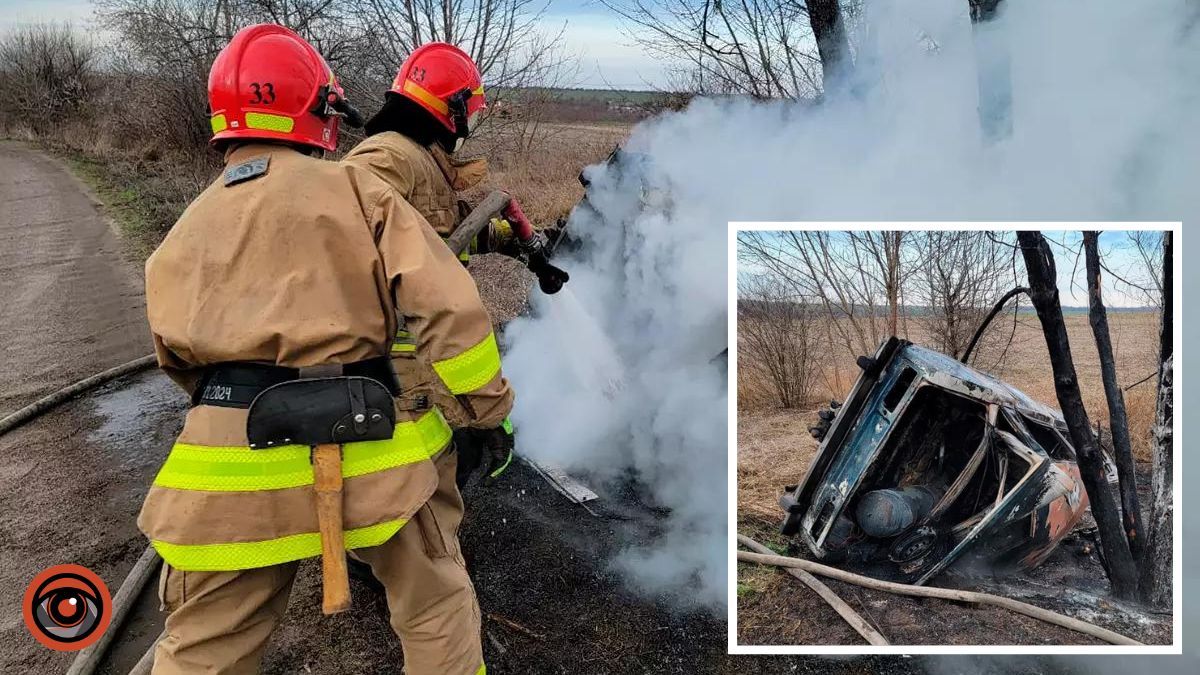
{"points": [[537, 255], [535, 252], [487, 450]]}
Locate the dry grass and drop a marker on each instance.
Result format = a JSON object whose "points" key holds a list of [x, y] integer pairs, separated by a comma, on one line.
{"points": [[774, 446], [544, 175]]}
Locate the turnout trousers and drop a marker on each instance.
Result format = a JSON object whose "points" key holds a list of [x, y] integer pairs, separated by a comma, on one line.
{"points": [[220, 622]]}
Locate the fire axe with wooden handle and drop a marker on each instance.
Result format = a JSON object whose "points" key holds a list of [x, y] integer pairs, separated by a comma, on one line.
{"points": [[324, 413]]}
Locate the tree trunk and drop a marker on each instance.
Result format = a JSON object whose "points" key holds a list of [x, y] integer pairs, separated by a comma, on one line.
{"points": [[891, 256], [1118, 422], [825, 17], [993, 70], [1043, 291], [1156, 571]]}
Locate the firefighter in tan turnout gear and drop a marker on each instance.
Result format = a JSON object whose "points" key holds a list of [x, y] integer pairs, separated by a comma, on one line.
{"points": [[273, 302], [433, 104]]}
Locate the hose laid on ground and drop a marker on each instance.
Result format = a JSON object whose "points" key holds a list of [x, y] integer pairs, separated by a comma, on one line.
{"points": [[852, 617], [42, 405], [86, 660], [943, 594]]}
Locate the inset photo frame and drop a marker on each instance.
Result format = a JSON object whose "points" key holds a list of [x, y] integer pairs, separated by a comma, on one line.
{"points": [[941, 433]]}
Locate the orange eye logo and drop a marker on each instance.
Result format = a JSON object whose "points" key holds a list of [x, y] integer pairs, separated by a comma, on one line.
{"points": [[67, 607]]}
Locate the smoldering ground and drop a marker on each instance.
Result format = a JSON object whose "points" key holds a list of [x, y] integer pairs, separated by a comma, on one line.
{"points": [[615, 376]]}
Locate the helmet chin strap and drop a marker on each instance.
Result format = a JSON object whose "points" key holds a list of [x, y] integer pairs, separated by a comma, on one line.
{"points": [[458, 115]]}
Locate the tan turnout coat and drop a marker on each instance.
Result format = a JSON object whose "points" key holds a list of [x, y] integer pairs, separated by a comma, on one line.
{"points": [[305, 264], [429, 180]]}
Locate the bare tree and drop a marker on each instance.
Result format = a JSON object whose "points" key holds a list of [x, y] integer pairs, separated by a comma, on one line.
{"points": [[884, 249], [518, 115], [523, 66], [829, 30], [1118, 421], [167, 46], [775, 336], [1146, 278], [1043, 291], [993, 65], [958, 278], [48, 74], [854, 277], [1156, 572], [502, 36], [763, 48]]}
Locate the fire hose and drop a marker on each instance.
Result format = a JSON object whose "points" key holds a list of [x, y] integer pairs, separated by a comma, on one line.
{"points": [[534, 246], [941, 593], [147, 564]]}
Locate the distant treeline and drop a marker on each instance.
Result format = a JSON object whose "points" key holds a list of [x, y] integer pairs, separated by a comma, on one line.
{"points": [[916, 311]]}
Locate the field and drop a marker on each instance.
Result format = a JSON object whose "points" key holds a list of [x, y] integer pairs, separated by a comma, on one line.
{"points": [[774, 443], [775, 448]]}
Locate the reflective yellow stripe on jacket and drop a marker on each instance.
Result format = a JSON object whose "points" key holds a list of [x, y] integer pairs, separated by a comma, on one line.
{"points": [[237, 469], [405, 342], [224, 469], [254, 554], [471, 369]]}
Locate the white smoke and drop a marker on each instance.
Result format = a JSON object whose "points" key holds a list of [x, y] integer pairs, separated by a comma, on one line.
{"points": [[616, 374]]}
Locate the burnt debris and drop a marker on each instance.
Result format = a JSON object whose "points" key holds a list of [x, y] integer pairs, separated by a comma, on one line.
{"points": [[931, 464]]}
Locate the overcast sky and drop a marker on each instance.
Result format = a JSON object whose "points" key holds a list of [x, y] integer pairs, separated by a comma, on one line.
{"points": [[607, 57]]}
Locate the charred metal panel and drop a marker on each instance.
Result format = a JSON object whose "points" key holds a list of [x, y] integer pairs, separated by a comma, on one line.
{"points": [[852, 457], [1024, 502], [797, 497]]}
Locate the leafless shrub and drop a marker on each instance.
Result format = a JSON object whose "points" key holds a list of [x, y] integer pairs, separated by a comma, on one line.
{"points": [[501, 36], [521, 64], [856, 278], [166, 47], [1146, 276], [48, 74], [960, 275], [517, 117], [763, 48], [136, 107], [775, 335]]}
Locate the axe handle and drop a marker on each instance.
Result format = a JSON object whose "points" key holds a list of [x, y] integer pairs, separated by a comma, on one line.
{"points": [[327, 483]]}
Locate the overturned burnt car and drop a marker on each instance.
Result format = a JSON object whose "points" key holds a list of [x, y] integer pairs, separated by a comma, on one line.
{"points": [[931, 464]]}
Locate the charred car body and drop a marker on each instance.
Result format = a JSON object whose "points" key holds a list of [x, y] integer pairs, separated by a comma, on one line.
{"points": [[931, 463]]}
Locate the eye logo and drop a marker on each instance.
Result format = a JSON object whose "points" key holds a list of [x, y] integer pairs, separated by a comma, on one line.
{"points": [[67, 607]]}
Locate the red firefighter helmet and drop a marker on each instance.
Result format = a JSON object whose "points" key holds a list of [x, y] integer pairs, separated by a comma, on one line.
{"points": [[443, 79], [269, 83]]}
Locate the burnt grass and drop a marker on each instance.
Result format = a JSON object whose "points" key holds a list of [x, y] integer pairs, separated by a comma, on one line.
{"points": [[541, 562], [774, 608], [551, 603]]}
